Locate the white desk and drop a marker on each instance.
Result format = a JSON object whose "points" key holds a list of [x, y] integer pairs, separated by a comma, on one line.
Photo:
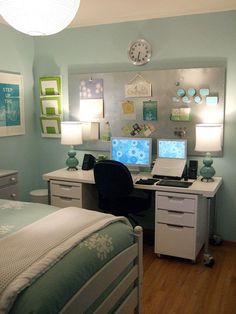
{"points": [[72, 188], [182, 214], [208, 189]]}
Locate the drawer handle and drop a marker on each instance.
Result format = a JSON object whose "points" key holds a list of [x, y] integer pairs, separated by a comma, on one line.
{"points": [[13, 179], [65, 198], [176, 199], [174, 226], [13, 195], [175, 212], [66, 187]]}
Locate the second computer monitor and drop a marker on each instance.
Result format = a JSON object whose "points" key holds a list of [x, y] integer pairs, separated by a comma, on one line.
{"points": [[172, 148]]}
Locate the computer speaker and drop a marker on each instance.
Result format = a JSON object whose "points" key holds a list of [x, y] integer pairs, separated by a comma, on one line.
{"points": [[185, 172], [192, 169], [88, 162]]}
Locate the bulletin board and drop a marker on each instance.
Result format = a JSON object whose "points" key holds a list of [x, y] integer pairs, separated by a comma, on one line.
{"points": [[156, 104]]}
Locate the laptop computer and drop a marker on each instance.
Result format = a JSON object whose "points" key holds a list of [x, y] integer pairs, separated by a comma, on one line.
{"points": [[171, 158]]}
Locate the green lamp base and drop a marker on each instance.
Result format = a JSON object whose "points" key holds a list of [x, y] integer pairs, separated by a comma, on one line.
{"points": [[72, 162], [207, 171]]}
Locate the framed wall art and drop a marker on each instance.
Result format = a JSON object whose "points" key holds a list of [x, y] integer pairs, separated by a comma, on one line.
{"points": [[12, 118]]}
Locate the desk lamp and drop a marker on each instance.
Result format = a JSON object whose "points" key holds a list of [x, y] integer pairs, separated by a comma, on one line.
{"points": [[71, 134], [208, 139]]}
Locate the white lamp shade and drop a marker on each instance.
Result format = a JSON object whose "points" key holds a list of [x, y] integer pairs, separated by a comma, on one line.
{"points": [[208, 137], [90, 131], [39, 18], [71, 133]]}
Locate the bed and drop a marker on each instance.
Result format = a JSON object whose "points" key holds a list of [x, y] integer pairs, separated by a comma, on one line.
{"points": [[69, 260]]}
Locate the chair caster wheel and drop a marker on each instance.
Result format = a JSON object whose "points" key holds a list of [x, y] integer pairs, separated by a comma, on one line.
{"points": [[216, 240], [208, 260]]}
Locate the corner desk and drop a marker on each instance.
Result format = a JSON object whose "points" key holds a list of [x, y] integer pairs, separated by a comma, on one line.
{"points": [[181, 214]]}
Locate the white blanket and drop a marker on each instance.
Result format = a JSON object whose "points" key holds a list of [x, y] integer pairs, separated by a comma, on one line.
{"points": [[28, 253]]}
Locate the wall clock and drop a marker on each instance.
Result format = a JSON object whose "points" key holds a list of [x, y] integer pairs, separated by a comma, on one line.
{"points": [[139, 52]]}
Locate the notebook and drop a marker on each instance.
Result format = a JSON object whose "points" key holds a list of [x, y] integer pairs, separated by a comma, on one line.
{"points": [[169, 167], [171, 157]]}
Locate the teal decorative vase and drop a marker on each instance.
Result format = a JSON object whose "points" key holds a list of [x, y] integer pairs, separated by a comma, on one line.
{"points": [[207, 171], [72, 162]]}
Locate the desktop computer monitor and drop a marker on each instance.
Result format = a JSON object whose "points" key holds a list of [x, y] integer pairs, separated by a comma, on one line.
{"points": [[172, 148], [132, 151]]}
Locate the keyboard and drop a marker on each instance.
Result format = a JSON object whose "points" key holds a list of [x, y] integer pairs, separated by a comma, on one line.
{"points": [[148, 181], [165, 177], [179, 184]]}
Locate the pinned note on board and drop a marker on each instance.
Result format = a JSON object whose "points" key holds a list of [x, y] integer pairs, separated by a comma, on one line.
{"points": [[211, 100], [204, 91], [197, 99], [191, 91], [180, 92], [180, 114], [150, 110]]}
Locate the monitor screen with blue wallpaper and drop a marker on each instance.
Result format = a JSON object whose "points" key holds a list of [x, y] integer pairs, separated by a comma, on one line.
{"points": [[132, 151], [172, 148]]}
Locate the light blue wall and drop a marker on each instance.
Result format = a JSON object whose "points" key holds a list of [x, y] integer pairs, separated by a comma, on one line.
{"points": [[190, 41], [181, 42], [20, 152]]}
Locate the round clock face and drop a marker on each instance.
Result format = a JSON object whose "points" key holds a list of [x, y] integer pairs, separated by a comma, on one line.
{"points": [[139, 52]]}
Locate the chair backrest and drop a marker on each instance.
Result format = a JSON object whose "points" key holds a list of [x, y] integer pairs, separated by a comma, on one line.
{"points": [[112, 179]]}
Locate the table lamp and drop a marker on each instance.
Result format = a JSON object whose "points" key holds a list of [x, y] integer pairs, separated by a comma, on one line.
{"points": [[71, 134], [208, 139]]}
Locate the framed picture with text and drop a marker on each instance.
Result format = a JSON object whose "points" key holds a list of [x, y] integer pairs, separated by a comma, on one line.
{"points": [[12, 118]]}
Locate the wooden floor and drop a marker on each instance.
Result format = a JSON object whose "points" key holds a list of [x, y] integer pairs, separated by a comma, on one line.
{"points": [[175, 286]]}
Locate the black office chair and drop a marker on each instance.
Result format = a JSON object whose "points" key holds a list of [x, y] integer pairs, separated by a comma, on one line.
{"points": [[116, 192]]}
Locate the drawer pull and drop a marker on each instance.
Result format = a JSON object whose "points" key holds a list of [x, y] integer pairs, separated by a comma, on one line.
{"points": [[66, 198], [174, 226], [175, 212], [176, 199], [13, 179], [13, 195], [66, 187]]}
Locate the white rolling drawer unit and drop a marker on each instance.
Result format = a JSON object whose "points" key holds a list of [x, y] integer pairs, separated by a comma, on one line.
{"points": [[9, 184], [65, 194], [69, 193], [180, 221]]}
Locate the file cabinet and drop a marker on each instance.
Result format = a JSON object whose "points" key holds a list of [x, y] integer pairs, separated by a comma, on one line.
{"points": [[69, 193], [180, 224], [9, 184]]}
